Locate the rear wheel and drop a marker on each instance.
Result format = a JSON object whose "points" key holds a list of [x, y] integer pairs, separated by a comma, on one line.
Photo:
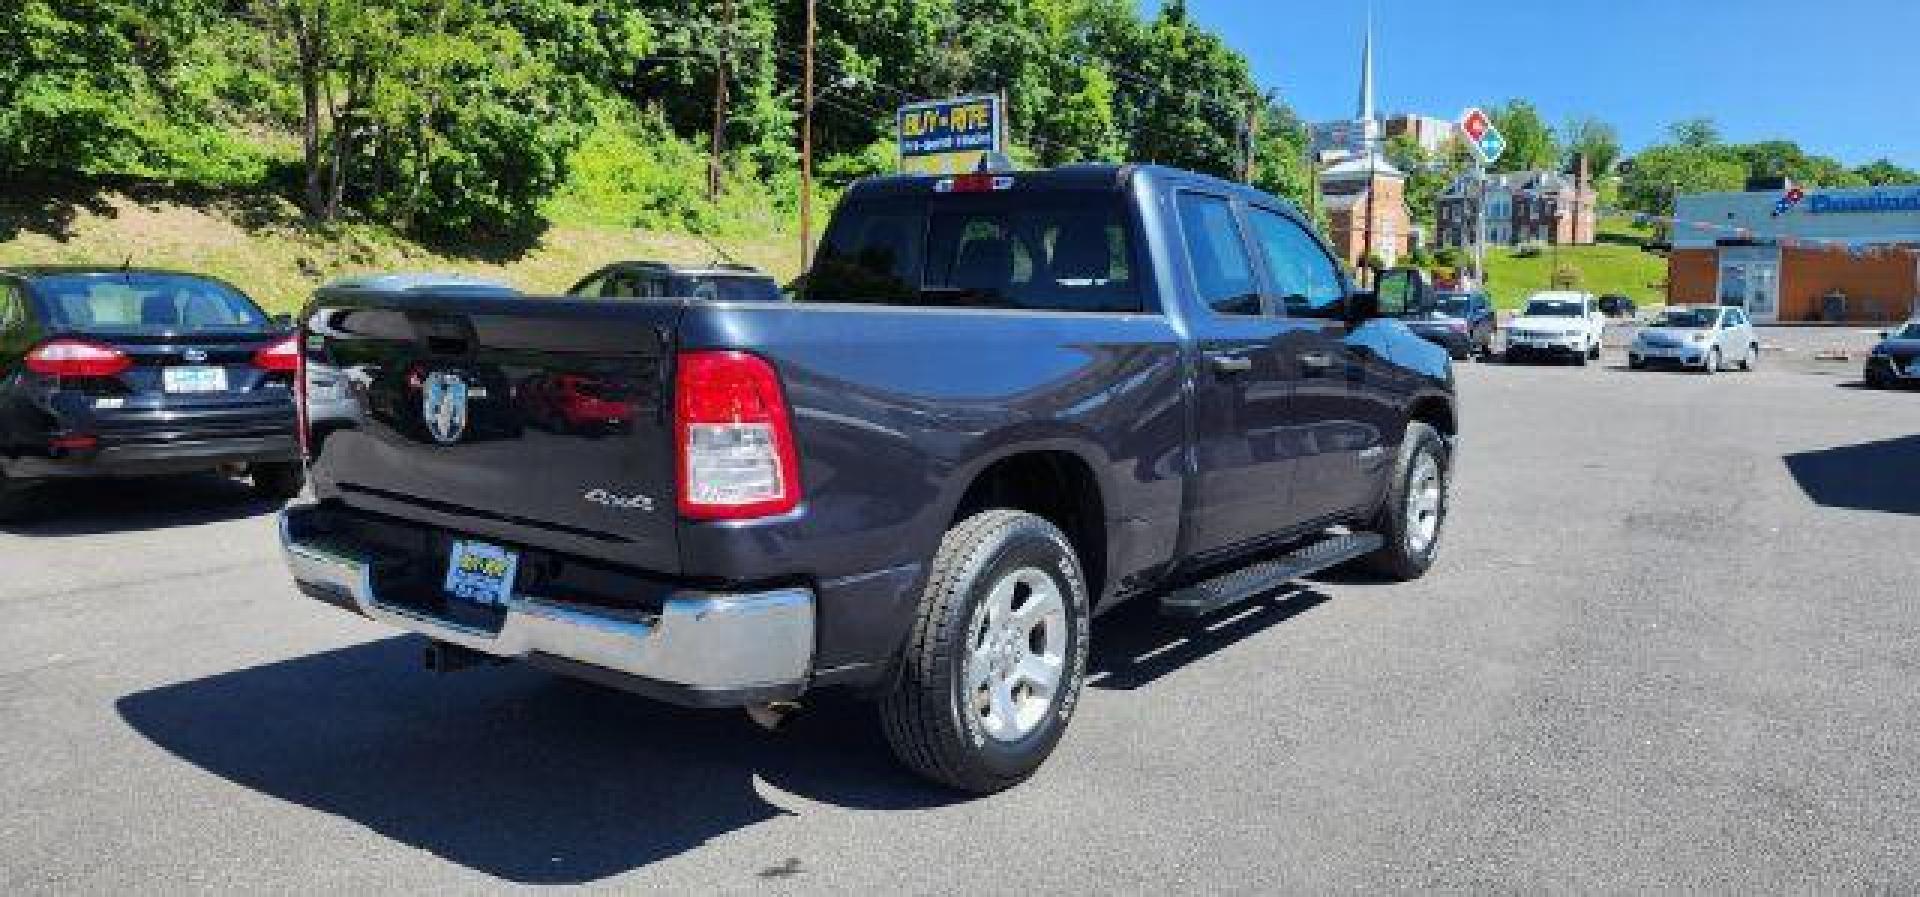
{"points": [[278, 480], [1416, 507], [993, 667]]}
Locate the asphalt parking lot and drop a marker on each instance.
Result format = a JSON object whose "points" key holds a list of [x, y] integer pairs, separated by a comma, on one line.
{"points": [[1672, 643]]}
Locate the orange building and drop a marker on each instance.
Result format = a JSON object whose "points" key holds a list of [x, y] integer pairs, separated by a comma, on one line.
{"points": [[1840, 255]]}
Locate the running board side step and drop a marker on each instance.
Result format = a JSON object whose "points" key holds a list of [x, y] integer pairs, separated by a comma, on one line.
{"points": [[1235, 586]]}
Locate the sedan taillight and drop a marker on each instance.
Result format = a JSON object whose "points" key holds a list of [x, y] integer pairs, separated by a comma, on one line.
{"points": [[77, 358], [281, 357]]}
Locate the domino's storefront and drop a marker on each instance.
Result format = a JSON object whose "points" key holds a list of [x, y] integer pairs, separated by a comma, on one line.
{"points": [[1792, 256]]}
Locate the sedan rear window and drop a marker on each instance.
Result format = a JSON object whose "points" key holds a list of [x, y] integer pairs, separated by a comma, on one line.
{"points": [[1554, 308], [1056, 251], [736, 289], [145, 303]]}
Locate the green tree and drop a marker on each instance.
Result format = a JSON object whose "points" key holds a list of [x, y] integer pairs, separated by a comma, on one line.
{"points": [[1530, 142], [1659, 173], [1882, 172], [1697, 133], [1594, 140]]}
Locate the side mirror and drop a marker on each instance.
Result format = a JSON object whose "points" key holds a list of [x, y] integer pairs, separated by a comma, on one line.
{"points": [[1401, 291], [1360, 306]]}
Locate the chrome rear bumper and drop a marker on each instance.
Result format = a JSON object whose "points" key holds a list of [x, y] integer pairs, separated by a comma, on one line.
{"points": [[701, 649]]}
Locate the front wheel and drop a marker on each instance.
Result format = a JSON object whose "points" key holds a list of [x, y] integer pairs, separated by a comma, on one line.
{"points": [[1712, 365], [1752, 359], [1416, 507], [993, 667], [277, 480]]}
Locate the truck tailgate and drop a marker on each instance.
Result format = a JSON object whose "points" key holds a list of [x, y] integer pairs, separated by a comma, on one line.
{"points": [[532, 422]]}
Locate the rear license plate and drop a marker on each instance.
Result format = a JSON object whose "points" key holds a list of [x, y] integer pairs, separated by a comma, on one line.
{"points": [[481, 573], [194, 378]]}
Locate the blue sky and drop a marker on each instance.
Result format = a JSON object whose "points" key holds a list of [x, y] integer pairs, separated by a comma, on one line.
{"points": [[1841, 77]]}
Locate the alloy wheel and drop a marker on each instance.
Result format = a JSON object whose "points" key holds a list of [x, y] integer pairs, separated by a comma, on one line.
{"points": [[1017, 649]]}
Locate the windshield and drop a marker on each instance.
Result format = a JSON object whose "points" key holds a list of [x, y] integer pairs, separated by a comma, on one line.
{"points": [[1688, 318], [145, 304], [1455, 305], [1057, 250], [1554, 308], [729, 289]]}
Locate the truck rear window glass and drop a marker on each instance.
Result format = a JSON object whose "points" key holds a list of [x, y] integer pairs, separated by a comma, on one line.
{"points": [[145, 303], [1022, 250]]}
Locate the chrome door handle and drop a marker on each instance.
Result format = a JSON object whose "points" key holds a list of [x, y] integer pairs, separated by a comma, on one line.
{"points": [[1317, 361], [1230, 364]]}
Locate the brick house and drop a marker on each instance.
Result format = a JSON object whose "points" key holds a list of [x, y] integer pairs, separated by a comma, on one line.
{"points": [[1348, 192], [1522, 207]]}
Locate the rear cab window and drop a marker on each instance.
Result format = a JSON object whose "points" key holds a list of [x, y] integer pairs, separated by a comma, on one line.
{"points": [[136, 303], [1034, 249]]}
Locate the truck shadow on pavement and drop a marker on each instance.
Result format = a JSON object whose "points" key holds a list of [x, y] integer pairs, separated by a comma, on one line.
{"points": [[1133, 645], [1870, 476], [99, 507], [514, 773]]}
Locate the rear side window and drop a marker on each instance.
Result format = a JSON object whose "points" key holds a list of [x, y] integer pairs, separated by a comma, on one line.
{"points": [[13, 312], [1222, 270], [735, 289], [145, 303], [1024, 250]]}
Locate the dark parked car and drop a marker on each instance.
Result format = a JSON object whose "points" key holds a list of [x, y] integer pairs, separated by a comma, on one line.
{"points": [[1614, 305], [653, 280], [1896, 359], [1004, 402], [123, 372], [1462, 323]]}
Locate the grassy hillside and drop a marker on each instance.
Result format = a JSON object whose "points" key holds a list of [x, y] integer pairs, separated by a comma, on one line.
{"points": [[1616, 264], [263, 246]]}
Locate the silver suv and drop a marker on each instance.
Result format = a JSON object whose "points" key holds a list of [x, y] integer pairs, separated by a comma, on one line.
{"points": [[1707, 337]]}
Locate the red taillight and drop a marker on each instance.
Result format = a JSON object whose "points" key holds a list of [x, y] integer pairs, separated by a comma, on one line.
{"points": [[733, 437], [282, 357], [973, 183], [77, 358]]}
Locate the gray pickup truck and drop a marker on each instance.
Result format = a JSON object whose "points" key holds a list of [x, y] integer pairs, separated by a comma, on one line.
{"points": [[1000, 405]]}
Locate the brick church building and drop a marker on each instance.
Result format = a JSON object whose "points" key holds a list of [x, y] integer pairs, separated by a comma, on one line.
{"points": [[1364, 195]]}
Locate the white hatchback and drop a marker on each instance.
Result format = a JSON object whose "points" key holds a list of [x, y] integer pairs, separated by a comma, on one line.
{"points": [[1707, 337]]}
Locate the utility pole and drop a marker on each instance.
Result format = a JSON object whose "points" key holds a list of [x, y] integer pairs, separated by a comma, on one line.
{"points": [[806, 149], [1366, 244], [720, 75], [1250, 145], [1480, 224]]}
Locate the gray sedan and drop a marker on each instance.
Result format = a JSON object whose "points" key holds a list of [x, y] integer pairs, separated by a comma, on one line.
{"points": [[1706, 337]]}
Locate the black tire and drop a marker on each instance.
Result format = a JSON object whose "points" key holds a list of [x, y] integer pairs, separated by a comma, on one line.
{"points": [[1580, 358], [930, 717], [1636, 364], [16, 500], [1593, 352], [1402, 558], [1752, 360], [277, 480], [1712, 364]]}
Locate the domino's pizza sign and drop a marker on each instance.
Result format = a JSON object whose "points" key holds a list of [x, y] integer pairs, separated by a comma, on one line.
{"points": [[1477, 126]]}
